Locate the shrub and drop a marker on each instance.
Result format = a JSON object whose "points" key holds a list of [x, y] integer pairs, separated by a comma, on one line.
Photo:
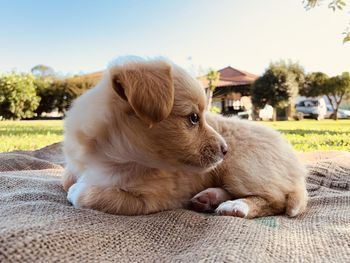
{"points": [[58, 94], [18, 98], [48, 95], [69, 89]]}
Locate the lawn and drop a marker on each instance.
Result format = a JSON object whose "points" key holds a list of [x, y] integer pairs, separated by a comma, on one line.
{"points": [[310, 135], [29, 135], [307, 135]]}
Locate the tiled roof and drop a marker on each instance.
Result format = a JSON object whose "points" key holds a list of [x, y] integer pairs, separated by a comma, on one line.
{"points": [[230, 76]]}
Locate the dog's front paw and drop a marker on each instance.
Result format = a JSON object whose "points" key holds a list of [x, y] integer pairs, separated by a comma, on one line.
{"points": [[209, 199], [74, 193], [237, 208]]}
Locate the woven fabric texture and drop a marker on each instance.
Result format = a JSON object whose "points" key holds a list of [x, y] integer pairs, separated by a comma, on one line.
{"points": [[37, 224]]}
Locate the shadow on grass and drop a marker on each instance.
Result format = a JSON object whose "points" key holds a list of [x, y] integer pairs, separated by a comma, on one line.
{"points": [[14, 131], [303, 132]]}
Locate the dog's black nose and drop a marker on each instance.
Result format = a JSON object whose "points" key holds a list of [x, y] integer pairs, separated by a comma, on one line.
{"points": [[224, 149]]}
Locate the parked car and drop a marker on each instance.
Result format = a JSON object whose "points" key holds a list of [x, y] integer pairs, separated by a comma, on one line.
{"points": [[342, 113], [312, 108]]}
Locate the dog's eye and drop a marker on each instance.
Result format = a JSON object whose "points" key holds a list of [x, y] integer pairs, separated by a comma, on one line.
{"points": [[193, 118]]}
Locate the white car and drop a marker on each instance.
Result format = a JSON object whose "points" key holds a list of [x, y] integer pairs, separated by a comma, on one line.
{"points": [[342, 113], [312, 108]]}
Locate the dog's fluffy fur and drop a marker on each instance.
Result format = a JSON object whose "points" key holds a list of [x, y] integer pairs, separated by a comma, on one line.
{"points": [[133, 146]]}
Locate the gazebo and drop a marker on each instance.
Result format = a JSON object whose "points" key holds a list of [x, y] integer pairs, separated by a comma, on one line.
{"points": [[232, 92]]}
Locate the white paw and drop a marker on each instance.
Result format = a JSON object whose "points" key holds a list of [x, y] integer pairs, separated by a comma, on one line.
{"points": [[294, 212], [74, 192], [237, 208]]}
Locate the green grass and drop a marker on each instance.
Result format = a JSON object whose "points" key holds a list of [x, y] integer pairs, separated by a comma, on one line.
{"points": [[29, 135], [310, 135], [307, 135]]}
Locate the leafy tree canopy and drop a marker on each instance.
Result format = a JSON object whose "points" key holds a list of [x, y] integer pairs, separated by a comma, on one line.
{"points": [[314, 84], [42, 71], [334, 5], [278, 85], [212, 77]]}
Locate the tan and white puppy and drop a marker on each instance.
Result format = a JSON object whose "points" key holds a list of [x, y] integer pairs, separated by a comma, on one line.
{"points": [[140, 142]]}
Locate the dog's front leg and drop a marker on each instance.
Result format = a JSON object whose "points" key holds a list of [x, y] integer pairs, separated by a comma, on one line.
{"points": [[250, 207], [111, 200], [209, 199], [221, 201]]}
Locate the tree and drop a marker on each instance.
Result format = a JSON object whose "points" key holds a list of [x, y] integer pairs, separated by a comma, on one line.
{"points": [[314, 84], [297, 70], [18, 98], [334, 5], [278, 86], [335, 88], [41, 71], [44, 78], [299, 74], [212, 77]]}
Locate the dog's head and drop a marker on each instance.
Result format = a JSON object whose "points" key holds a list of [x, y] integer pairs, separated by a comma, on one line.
{"points": [[162, 111]]}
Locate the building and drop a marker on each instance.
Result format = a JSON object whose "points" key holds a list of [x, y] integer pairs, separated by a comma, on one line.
{"points": [[232, 92]]}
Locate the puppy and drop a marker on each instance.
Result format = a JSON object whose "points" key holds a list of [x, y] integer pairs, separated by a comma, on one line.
{"points": [[260, 172], [140, 142]]}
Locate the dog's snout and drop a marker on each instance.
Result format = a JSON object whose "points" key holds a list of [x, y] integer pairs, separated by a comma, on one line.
{"points": [[216, 147], [224, 148]]}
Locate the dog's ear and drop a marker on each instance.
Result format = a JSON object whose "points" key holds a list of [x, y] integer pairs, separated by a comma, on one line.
{"points": [[148, 87]]}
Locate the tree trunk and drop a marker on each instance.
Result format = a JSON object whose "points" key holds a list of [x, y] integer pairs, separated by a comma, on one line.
{"points": [[255, 113], [335, 117], [337, 102], [210, 99], [335, 109], [274, 114], [290, 112]]}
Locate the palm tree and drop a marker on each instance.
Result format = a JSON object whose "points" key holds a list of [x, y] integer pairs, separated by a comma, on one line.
{"points": [[212, 77]]}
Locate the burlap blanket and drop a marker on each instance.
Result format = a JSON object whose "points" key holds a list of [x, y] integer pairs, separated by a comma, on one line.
{"points": [[37, 224]]}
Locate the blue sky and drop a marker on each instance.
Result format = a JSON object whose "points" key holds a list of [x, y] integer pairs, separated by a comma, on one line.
{"points": [[84, 36]]}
